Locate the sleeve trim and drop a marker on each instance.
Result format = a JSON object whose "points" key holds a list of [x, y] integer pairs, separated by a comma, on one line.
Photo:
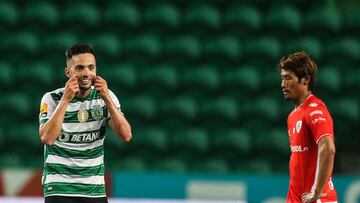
{"points": [[326, 134]]}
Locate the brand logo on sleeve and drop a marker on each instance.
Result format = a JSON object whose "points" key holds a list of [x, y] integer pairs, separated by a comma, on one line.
{"points": [[43, 110], [313, 105]]}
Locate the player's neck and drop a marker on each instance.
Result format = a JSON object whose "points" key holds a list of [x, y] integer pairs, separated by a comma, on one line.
{"points": [[302, 98], [83, 93]]}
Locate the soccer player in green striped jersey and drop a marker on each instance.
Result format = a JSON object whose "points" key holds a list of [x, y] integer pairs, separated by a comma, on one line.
{"points": [[73, 121]]}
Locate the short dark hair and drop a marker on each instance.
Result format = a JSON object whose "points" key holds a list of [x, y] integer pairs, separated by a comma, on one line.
{"points": [[302, 65], [79, 49]]}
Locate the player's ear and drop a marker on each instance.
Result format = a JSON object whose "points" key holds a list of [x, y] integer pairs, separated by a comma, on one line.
{"points": [[306, 80], [67, 72]]}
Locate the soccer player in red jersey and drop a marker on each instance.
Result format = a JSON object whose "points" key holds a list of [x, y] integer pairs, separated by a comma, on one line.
{"points": [[311, 134]]}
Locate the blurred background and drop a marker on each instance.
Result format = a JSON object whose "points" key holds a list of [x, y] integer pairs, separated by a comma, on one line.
{"points": [[197, 81]]}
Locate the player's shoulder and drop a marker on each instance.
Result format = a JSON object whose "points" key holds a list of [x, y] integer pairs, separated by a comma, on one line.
{"points": [[55, 94], [112, 93], [315, 102], [315, 105]]}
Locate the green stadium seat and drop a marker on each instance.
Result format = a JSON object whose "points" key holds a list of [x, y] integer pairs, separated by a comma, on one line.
{"points": [[271, 78], [81, 14], [122, 76], [202, 16], [172, 165], [146, 45], [41, 73], [59, 43], [346, 48], [245, 78], [310, 45], [266, 108], [162, 15], [107, 44], [41, 13], [8, 160], [329, 79], [223, 109], [190, 140], [267, 47], [23, 42], [352, 80], [204, 77], [324, 20], [160, 76], [114, 144], [213, 166], [141, 106], [122, 14], [9, 14], [275, 139], [226, 47], [284, 18], [133, 164], [28, 134], [350, 19], [237, 141], [243, 18], [17, 104], [182, 46], [2, 137], [151, 138], [6, 74], [346, 109], [256, 166], [179, 107]]}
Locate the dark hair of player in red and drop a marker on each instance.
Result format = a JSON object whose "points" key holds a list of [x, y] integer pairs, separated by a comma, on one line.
{"points": [[302, 65]]}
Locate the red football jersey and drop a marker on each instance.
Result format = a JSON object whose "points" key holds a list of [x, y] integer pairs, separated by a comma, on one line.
{"points": [[307, 124]]}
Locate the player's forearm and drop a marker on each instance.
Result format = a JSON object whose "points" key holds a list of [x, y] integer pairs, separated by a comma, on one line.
{"points": [[50, 131], [118, 122], [326, 156]]}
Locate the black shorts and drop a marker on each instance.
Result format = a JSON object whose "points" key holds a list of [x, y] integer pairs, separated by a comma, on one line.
{"points": [[63, 199]]}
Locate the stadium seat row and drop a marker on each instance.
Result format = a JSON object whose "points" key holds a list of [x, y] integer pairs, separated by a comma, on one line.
{"points": [[170, 15], [224, 47]]}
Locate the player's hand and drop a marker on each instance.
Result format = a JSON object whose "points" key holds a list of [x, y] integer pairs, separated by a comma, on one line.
{"points": [[71, 88], [101, 86], [310, 197]]}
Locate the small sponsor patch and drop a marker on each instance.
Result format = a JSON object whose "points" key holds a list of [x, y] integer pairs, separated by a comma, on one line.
{"points": [[316, 112], [318, 119], [43, 110]]}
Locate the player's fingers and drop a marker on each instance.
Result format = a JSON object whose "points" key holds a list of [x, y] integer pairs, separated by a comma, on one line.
{"points": [[323, 194], [76, 75]]}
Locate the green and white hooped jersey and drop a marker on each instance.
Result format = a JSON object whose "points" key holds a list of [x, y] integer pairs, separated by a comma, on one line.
{"points": [[74, 164]]}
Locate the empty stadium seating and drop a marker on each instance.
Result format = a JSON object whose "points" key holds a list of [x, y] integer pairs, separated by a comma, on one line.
{"points": [[197, 80]]}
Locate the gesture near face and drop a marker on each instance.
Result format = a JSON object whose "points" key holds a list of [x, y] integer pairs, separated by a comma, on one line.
{"points": [[101, 85], [71, 88]]}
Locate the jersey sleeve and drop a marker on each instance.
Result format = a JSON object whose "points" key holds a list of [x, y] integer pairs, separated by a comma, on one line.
{"points": [[116, 102], [47, 108], [320, 122]]}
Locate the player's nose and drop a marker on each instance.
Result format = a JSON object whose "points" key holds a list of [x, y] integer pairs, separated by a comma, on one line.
{"points": [[86, 72]]}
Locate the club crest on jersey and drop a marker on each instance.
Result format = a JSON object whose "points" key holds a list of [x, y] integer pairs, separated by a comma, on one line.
{"points": [[97, 112], [83, 116], [298, 126]]}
